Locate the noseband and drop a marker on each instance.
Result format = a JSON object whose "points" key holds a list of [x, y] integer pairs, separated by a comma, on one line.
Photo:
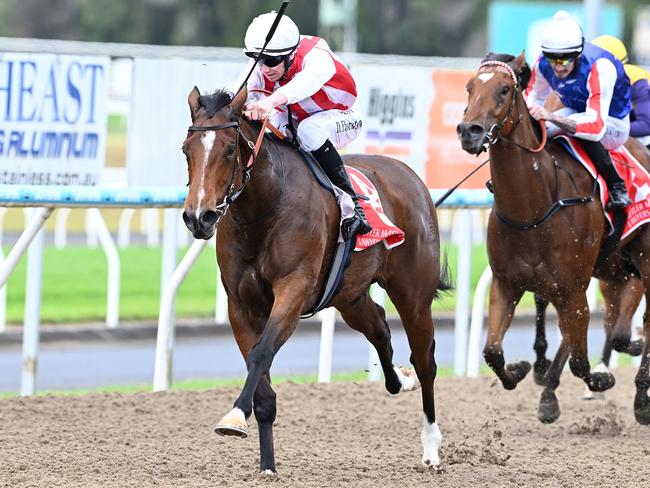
{"points": [[231, 194]]}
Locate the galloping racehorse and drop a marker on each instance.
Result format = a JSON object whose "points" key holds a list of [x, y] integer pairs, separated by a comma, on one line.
{"points": [[535, 242], [274, 247]]}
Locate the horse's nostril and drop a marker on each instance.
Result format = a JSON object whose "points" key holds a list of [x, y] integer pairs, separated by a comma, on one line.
{"points": [[476, 129], [189, 221], [209, 217]]}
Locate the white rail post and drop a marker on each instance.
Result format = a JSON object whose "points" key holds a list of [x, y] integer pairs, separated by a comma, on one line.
{"points": [[476, 327], [163, 367], [464, 229], [124, 227], [31, 326], [100, 230], [170, 230], [151, 226], [61, 227], [378, 295], [328, 320], [92, 240]]}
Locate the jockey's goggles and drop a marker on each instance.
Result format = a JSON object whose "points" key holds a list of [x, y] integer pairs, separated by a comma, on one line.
{"points": [[270, 61], [562, 60]]}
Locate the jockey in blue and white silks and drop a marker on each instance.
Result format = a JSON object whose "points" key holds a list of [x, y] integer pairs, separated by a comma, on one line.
{"points": [[595, 92]]}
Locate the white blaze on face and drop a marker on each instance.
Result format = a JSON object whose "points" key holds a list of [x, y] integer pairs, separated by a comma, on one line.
{"points": [[485, 76], [431, 442], [207, 139]]}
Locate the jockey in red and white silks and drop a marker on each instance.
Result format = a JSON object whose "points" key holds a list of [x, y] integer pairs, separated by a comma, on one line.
{"points": [[302, 73], [321, 93]]}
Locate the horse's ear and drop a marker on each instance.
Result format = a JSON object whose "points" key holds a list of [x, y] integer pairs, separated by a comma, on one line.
{"points": [[522, 69], [238, 102], [193, 101], [519, 61]]}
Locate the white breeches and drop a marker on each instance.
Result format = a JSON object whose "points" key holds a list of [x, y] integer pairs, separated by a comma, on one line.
{"points": [[616, 130], [339, 126]]}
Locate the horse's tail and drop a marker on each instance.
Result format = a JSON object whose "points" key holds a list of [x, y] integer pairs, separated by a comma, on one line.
{"points": [[445, 284]]}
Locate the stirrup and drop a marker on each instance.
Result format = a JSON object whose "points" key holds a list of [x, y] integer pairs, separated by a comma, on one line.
{"points": [[618, 197]]}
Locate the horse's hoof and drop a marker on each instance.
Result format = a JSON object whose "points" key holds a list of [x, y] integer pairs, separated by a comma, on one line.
{"points": [[593, 395], [601, 381], [518, 370], [234, 424], [549, 408], [642, 408], [539, 370], [436, 467], [636, 347], [408, 378], [268, 474]]}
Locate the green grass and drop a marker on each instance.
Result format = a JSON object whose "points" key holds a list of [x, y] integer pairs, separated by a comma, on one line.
{"points": [[75, 280], [74, 285]]}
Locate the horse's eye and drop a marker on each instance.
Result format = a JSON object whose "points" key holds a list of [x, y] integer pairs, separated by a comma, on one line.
{"points": [[230, 150], [505, 90]]}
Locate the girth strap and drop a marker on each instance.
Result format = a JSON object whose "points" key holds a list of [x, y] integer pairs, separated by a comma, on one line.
{"points": [[566, 202]]}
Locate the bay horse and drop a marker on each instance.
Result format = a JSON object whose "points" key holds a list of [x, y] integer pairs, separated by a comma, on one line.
{"points": [[274, 247], [535, 243]]}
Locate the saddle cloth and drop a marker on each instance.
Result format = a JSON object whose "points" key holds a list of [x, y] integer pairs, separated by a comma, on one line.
{"points": [[635, 176], [383, 230]]}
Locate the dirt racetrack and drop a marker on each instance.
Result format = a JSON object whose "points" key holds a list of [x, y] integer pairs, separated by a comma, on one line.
{"points": [[344, 434]]}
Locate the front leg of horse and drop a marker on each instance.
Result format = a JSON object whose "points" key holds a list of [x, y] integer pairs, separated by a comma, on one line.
{"points": [[540, 346], [502, 308], [573, 316], [264, 407]]}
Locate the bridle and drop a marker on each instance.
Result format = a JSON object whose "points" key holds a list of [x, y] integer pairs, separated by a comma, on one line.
{"points": [[494, 134], [232, 195]]}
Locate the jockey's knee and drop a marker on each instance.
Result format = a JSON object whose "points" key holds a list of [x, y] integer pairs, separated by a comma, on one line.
{"points": [[311, 136]]}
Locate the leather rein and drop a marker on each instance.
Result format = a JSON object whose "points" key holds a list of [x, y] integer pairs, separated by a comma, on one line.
{"points": [[494, 135]]}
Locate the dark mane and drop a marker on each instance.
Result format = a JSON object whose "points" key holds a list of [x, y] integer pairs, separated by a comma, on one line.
{"points": [[214, 102], [523, 75]]}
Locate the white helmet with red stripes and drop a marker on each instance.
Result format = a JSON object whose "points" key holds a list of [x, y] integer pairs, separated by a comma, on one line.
{"points": [[562, 36], [285, 38]]}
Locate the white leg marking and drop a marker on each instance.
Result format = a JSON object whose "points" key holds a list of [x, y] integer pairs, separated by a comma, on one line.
{"points": [[431, 442], [596, 395], [407, 378], [207, 139], [268, 473]]}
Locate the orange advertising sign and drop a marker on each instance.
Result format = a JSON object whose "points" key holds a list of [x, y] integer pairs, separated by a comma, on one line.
{"points": [[446, 162]]}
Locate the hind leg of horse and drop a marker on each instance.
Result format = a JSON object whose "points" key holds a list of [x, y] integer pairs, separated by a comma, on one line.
{"points": [[540, 346], [264, 404], [642, 379], [415, 313], [548, 410], [503, 301], [369, 318], [623, 299]]}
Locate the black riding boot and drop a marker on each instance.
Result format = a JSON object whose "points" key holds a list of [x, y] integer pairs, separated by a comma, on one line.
{"points": [[618, 197], [330, 160]]}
